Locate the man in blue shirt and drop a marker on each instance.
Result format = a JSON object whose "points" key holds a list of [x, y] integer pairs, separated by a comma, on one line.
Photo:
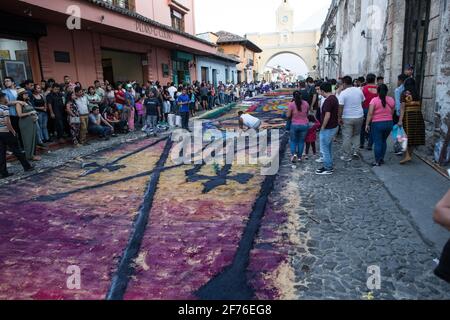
{"points": [[398, 96], [183, 102]]}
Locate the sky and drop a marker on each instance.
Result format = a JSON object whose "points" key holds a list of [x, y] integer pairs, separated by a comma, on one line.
{"points": [[249, 16]]}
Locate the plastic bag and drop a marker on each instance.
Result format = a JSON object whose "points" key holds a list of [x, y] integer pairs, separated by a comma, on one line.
{"points": [[400, 138], [178, 121]]}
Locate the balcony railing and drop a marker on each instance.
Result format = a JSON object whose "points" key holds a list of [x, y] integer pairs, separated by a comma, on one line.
{"points": [[124, 4]]}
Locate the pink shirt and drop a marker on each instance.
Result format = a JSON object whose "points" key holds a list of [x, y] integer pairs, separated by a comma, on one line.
{"points": [[299, 118], [380, 113]]}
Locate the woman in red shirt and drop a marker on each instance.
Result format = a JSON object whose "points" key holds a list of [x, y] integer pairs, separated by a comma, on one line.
{"points": [[380, 122], [119, 94]]}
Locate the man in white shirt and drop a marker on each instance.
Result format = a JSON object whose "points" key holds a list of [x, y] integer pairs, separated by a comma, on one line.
{"points": [[82, 103], [172, 91], [248, 121], [351, 117]]}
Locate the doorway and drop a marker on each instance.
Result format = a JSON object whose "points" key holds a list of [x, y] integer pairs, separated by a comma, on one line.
{"points": [[214, 77], [416, 37], [122, 66], [204, 71], [108, 71]]}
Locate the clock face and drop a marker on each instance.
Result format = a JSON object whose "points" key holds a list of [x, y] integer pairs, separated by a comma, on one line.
{"points": [[285, 19]]}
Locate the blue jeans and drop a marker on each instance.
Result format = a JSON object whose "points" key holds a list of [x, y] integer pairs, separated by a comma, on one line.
{"points": [[298, 136], [43, 121], [221, 97], [380, 133], [326, 146], [100, 131]]}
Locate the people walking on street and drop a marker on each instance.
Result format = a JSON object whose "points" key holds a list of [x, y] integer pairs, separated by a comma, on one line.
{"points": [[311, 137], [380, 122], [329, 129], [351, 117], [398, 96], [298, 114], [411, 119], [370, 91]]}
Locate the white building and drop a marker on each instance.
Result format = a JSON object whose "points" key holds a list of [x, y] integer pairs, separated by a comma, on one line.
{"points": [[221, 68]]}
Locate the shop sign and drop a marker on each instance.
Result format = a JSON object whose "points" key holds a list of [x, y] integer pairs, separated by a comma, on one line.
{"points": [[153, 31]]}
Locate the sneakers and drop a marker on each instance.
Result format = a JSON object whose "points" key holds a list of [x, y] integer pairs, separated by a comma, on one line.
{"points": [[320, 160], [294, 159], [323, 172], [346, 159]]}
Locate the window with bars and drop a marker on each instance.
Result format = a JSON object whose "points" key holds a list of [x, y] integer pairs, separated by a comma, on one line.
{"points": [[124, 4], [177, 20]]}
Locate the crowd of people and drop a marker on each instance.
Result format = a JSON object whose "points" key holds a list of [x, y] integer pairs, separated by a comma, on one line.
{"points": [[33, 114], [361, 110]]}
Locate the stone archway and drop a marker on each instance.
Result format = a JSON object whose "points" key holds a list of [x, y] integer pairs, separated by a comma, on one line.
{"points": [[300, 43], [265, 63]]}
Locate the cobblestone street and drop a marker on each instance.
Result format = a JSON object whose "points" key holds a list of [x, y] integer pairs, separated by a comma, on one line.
{"points": [[337, 226], [141, 227]]}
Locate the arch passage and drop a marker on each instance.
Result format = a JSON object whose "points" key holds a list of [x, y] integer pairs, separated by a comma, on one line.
{"points": [[289, 60]]}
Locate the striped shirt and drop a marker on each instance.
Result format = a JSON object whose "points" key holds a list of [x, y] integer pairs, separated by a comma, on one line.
{"points": [[4, 112]]}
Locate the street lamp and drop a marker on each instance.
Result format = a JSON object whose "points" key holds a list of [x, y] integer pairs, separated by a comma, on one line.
{"points": [[330, 50]]}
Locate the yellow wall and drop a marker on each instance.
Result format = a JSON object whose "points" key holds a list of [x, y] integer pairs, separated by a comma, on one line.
{"points": [[244, 54]]}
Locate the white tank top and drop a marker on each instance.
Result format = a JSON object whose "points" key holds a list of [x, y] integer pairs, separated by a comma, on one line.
{"points": [[249, 121]]}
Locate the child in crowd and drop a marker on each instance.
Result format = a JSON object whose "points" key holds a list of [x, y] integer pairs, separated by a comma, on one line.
{"points": [[140, 111], [311, 137]]}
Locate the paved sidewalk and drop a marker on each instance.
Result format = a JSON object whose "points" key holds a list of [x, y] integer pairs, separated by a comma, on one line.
{"points": [[417, 188]]}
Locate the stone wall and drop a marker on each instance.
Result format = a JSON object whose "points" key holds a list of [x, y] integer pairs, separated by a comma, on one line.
{"points": [[443, 73], [380, 51]]}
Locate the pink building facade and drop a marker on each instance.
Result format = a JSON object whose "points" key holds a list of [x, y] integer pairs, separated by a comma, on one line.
{"points": [[114, 40]]}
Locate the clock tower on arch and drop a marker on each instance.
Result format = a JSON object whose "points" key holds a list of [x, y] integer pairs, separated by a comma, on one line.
{"points": [[285, 17]]}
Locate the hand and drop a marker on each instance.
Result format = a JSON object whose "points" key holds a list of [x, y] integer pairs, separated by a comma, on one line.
{"points": [[14, 133], [367, 128], [52, 115], [341, 122], [400, 123]]}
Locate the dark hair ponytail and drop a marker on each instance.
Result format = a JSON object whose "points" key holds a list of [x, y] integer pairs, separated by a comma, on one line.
{"points": [[382, 93], [298, 100]]}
